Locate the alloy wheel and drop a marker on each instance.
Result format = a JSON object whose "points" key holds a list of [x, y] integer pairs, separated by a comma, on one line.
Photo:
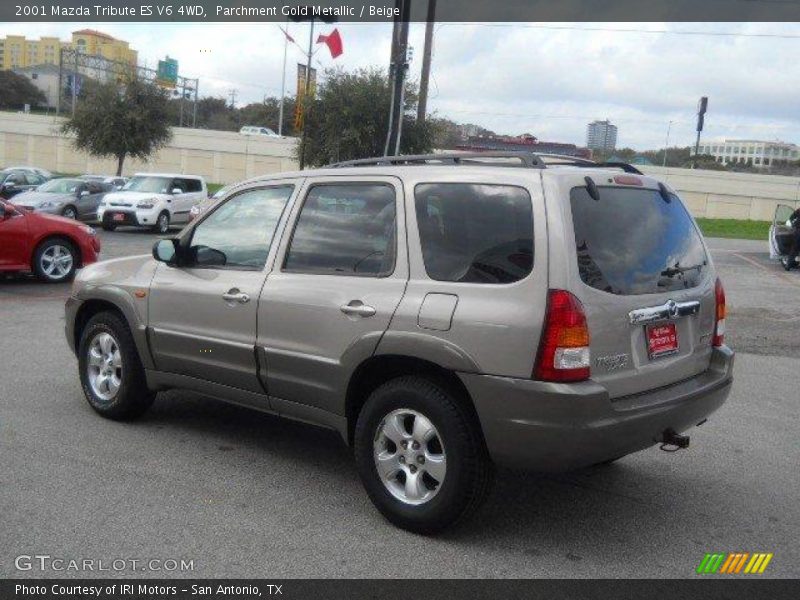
{"points": [[56, 261], [409, 456], [104, 366]]}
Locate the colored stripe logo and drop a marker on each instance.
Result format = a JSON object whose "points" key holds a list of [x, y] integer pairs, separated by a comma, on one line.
{"points": [[734, 563]]}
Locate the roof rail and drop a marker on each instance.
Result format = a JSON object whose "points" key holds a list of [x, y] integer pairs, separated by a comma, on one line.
{"points": [[525, 159]]}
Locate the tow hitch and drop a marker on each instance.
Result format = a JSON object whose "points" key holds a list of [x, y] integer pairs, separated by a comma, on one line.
{"points": [[672, 442]]}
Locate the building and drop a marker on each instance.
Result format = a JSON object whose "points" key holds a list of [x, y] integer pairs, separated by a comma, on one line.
{"points": [[526, 141], [45, 77], [750, 152], [16, 51], [601, 135]]}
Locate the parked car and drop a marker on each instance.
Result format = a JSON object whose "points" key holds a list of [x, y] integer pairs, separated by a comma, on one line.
{"points": [[17, 180], [68, 197], [205, 204], [254, 130], [38, 170], [51, 247], [782, 233], [442, 314], [155, 200], [116, 181]]}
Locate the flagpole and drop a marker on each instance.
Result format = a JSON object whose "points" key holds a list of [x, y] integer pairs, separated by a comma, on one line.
{"points": [[283, 78]]}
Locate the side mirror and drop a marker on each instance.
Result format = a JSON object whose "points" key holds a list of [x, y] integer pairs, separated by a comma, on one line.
{"points": [[83, 193], [166, 250], [176, 191]]}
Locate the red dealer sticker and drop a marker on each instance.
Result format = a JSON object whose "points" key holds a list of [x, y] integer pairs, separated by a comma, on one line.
{"points": [[662, 340]]}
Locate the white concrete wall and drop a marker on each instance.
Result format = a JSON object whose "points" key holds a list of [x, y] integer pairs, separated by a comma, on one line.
{"points": [[725, 195], [219, 156]]}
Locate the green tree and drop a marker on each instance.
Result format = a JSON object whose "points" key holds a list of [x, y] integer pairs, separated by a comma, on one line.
{"points": [[17, 90], [120, 120], [350, 116]]}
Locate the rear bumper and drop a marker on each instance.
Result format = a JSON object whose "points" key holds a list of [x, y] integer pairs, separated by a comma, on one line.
{"points": [[558, 427]]}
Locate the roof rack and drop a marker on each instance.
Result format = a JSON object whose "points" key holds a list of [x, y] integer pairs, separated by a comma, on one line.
{"points": [[531, 160]]}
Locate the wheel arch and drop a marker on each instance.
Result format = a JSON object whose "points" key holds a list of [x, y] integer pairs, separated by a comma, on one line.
{"points": [[56, 236], [378, 369], [108, 300]]}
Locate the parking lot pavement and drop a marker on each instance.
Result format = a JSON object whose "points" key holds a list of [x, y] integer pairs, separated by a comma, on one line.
{"points": [[249, 495]]}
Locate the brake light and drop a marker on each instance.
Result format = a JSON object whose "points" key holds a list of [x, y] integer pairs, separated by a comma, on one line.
{"points": [[564, 349], [628, 180], [719, 320]]}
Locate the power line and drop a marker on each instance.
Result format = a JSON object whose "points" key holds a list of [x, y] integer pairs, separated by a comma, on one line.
{"points": [[787, 36]]}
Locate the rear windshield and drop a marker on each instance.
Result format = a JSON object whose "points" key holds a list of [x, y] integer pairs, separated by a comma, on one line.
{"points": [[631, 241], [473, 233]]}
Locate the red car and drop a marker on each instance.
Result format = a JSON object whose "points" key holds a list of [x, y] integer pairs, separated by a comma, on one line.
{"points": [[50, 246]]}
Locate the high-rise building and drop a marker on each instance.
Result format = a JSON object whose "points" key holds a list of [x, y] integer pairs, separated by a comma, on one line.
{"points": [[16, 51], [601, 135]]}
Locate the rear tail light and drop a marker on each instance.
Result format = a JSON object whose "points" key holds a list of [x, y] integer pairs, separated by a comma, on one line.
{"points": [[564, 349], [719, 319]]}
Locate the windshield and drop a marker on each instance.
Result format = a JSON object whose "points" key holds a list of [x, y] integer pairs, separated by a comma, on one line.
{"points": [[60, 186], [156, 185], [631, 241]]}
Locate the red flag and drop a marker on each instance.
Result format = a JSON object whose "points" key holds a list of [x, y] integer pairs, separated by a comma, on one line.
{"points": [[288, 37], [334, 43]]}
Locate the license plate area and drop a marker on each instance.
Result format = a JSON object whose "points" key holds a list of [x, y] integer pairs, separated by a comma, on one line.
{"points": [[662, 340], [119, 217]]}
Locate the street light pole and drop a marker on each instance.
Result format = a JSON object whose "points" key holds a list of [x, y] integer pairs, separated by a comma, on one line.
{"points": [[283, 80], [666, 145]]}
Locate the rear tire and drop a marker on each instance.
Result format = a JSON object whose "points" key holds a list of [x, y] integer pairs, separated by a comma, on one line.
{"points": [[450, 469], [69, 212], [111, 373], [162, 223], [55, 260]]}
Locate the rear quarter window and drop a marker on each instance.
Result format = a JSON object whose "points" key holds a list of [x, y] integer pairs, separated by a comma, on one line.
{"points": [[475, 233], [631, 241]]}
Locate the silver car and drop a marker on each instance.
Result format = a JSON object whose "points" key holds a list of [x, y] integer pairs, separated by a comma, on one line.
{"points": [[68, 197], [442, 313]]}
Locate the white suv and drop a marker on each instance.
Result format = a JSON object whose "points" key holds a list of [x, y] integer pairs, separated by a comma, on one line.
{"points": [[154, 200]]}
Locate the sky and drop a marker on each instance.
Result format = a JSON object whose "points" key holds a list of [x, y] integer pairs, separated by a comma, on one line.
{"points": [[547, 79]]}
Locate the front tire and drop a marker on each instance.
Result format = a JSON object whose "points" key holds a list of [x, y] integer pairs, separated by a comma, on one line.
{"points": [[421, 455], [162, 223], [55, 260], [70, 213], [112, 375]]}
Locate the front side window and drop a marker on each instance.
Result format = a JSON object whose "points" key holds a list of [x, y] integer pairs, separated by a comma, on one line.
{"points": [[239, 233], [631, 241], [345, 229], [475, 233]]}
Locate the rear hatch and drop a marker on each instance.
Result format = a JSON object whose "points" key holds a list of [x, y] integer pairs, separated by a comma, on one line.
{"points": [[638, 264]]}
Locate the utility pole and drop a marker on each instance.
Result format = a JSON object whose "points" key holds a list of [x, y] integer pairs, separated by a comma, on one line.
{"points": [[397, 73], [194, 108], [306, 93], [232, 96], [422, 106]]}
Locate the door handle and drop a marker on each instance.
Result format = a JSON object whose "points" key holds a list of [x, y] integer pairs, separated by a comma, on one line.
{"points": [[356, 308], [234, 295]]}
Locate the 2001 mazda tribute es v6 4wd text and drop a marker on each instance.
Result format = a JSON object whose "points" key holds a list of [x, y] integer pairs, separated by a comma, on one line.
{"points": [[443, 313]]}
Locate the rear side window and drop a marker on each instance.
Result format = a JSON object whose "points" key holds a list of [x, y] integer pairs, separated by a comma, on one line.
{"points": [[189, 185], [345, 230], [633, 242], [475, 233]]}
